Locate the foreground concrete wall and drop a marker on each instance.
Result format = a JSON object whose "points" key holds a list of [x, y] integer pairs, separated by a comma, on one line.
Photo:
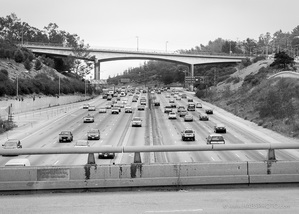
{"points": [[141, 175]]}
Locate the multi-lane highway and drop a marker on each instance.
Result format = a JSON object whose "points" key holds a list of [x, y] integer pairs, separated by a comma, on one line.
{"points": [[156, 129]]}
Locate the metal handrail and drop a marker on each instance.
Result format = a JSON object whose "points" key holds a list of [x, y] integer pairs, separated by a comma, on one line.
{"points": [[134, 149]]}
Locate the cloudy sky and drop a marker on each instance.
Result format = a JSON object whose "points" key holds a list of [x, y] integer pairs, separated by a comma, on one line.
{"points": [[181, 24]]}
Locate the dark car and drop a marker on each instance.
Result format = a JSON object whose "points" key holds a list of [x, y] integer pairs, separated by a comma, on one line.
{"points": [[209, 111], [106, 154], [219, 128]]}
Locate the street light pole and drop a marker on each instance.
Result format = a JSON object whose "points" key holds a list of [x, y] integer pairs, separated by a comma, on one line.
{"points": [[166, 46], [17, 85], [59, 86], [137, 42]]}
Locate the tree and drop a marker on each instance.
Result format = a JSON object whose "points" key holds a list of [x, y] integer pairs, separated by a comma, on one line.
{"points": [[38, 65], [281, 59], [19, 56]]}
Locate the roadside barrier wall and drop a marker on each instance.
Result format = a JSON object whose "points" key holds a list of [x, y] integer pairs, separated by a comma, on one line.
{"points": [[143, 175]]}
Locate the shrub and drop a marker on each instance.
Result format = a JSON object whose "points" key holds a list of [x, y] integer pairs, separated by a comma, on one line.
{"points": [[259, 58], [19, 56], [246, 62], [27, 64], [38, 64]]}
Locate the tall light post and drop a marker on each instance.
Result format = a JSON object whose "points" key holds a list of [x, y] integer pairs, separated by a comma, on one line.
{"points": [[59, 86], [17, 85], [166, 46], [137, 42]]}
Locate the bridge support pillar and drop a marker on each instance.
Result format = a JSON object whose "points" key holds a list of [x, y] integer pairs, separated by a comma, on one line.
{"points": [[191, 70], [97, 70]]}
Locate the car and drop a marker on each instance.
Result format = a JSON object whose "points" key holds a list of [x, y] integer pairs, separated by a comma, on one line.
{"points": [[17, 162], [115, 110], [180, 108], [156, 103], [167, 109], [171, 101], [209, 111], [91, 108], [88, 119], [108, 106], [183, 113], [198, 105], [142, 102], [173, 105], [65, 136], [137, 121], [215, 139], [188, 118], [203, 116], [219, 128], [134, 99], [188, 134], [103, 110], [167, 96], [82, 143], [172, 115], [128, 109], [85, 106], [93, 134], [140, 107], [191, 107], [12, 144], [190, 100], [106, 154], [184, 96], [109, 97], [178, 98]]}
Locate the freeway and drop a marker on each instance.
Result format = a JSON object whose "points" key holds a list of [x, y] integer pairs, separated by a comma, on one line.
{"points": [[156, 129]]}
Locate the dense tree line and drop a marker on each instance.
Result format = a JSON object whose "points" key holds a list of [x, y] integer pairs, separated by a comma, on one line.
{"points": [[14, 32]]}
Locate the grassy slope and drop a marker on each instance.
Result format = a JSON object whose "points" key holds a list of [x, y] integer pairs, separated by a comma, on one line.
{"points": [[245, 101]]}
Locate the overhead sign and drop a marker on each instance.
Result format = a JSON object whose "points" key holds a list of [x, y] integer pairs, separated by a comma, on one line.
{"points": [[124, 80]]}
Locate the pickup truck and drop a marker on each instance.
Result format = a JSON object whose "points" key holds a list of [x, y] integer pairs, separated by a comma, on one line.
{"points": [[65, 136]]}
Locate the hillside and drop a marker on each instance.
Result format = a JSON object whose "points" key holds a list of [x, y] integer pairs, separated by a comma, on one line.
{"points": [[19, 69], [271, 103]]}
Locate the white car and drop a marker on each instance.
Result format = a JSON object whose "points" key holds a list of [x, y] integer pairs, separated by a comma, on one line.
{"points": [[215, 139], [102, 110], [172, 115], [91, 108], [137, 121]]}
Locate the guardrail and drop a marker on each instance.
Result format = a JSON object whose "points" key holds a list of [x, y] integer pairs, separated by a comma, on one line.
{"points": [[137, 174], [138, 149]]}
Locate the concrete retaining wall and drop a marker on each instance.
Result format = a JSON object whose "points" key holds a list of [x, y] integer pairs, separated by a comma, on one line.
{"points": [[142, 175], [30, 104]]}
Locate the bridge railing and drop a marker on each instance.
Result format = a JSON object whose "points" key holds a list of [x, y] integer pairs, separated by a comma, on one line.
{"points": [[134, 50], [270, 147]]}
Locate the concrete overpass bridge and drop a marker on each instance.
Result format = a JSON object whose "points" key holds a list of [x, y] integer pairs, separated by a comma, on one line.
{"points": [[104, 55]]}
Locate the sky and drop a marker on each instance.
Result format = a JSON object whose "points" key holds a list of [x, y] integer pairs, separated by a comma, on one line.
{"points": [[156, 24]]}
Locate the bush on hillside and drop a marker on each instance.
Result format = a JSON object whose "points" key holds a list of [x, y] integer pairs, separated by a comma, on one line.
{"points": [[246, 62], [27, 64], [37, 65], [258, 58], [19, 56]]}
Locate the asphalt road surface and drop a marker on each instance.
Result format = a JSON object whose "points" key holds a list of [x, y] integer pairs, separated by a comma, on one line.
{"points": [[43, 127]]}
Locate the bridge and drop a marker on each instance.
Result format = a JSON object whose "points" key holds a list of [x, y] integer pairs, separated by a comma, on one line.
{"points": [[104, 55]]}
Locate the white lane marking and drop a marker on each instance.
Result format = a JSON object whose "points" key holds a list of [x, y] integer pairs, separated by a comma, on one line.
{"points": [[237, 155], [54, 142], [56, 162], [212, 158], [174, 211]]}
